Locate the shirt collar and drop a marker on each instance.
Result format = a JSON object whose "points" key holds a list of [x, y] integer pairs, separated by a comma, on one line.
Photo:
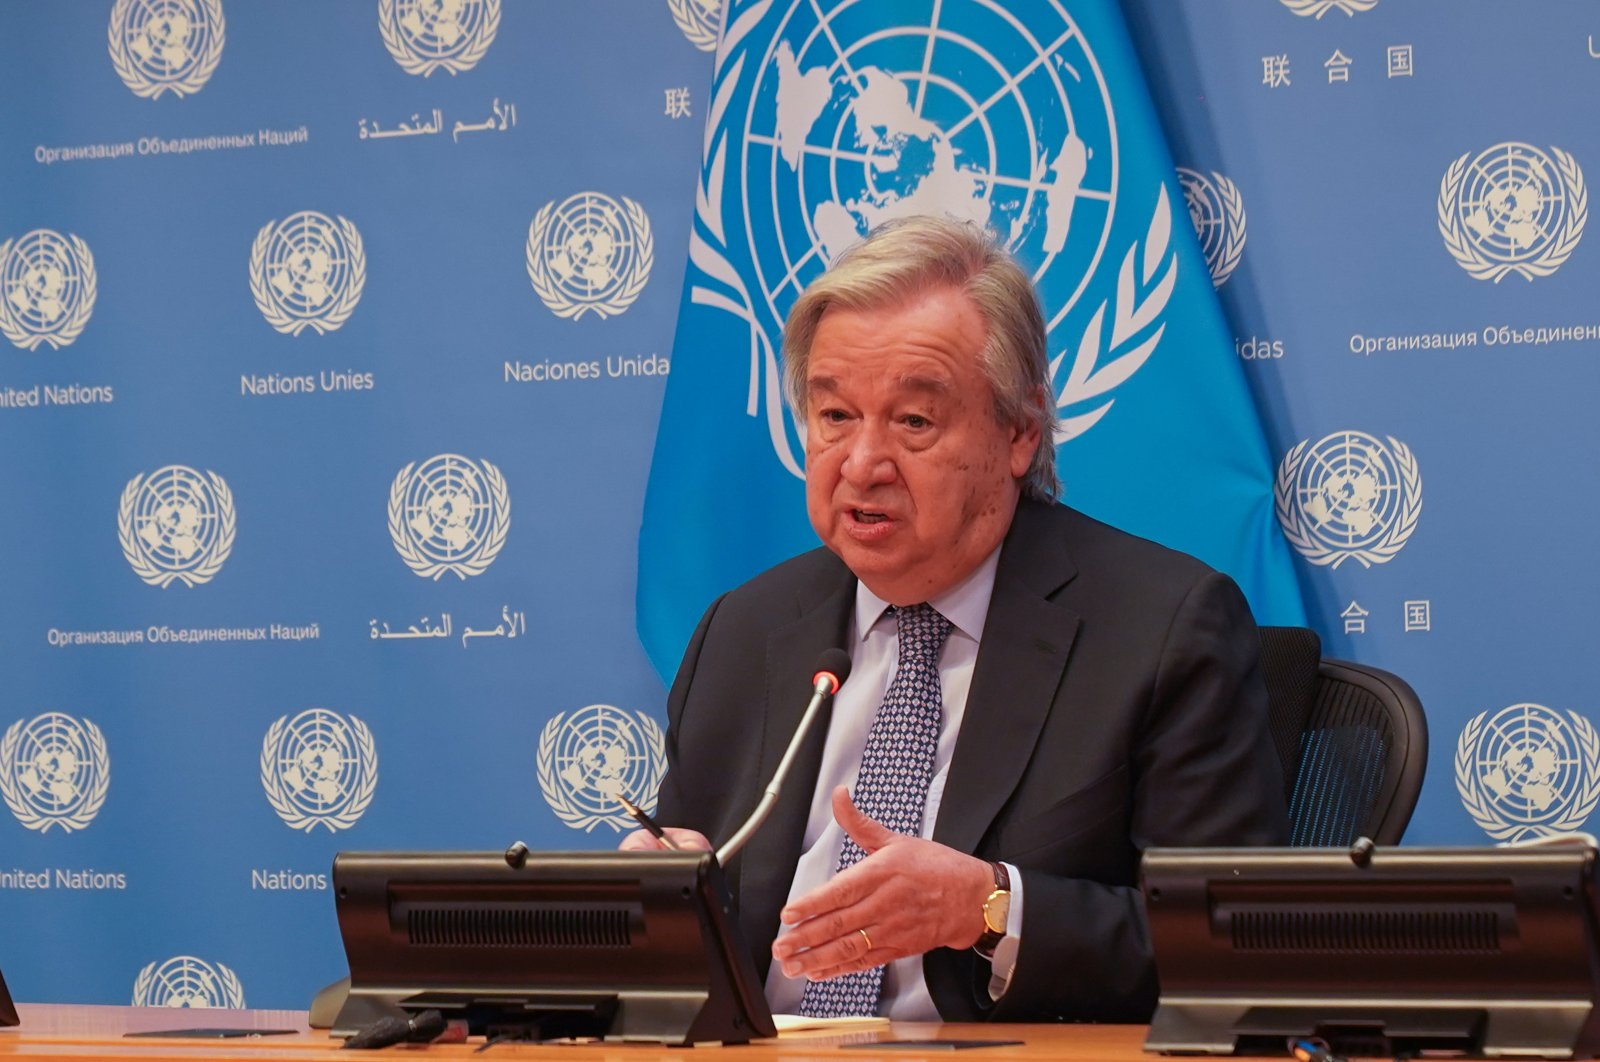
{"points": [[965, 604]]}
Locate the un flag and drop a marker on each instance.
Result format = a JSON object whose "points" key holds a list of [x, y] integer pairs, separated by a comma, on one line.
{"points": [[831, 117]]}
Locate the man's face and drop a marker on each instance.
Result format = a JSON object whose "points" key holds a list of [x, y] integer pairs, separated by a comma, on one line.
{"points": [[909, 479]]}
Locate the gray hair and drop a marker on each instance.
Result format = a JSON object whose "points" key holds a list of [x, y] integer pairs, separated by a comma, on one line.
{"points": [[903, 257]]}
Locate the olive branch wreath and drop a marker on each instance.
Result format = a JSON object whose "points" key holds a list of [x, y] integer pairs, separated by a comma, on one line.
{"points": [[551, 786], [427, 567], [361, 796], [1322, 7], [94, 797], [77, 315], [700, 35], [216, 553], [343, 306], [1467, 255], [140, 83], [411, 63], [616, 302], [1481, 809]]}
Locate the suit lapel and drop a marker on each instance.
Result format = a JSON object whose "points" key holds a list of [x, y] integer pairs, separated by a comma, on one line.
{"points": [[1026, 642], [769, 859]]}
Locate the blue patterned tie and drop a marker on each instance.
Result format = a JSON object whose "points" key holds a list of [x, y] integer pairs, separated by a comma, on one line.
{"points": [[892, 788]]}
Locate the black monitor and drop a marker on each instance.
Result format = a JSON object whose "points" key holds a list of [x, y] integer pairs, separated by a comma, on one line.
{"points": [[621, 945], [1386, 951]]}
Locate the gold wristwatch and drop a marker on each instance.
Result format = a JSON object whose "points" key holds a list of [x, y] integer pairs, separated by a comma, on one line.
{"points": [[995, 910]]}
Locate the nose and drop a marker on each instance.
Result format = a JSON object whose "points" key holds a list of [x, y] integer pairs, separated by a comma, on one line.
{"points": [[869, 461]]}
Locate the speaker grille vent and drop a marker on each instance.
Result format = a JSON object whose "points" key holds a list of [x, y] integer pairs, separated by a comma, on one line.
{"points": [[1467, 931], [519, 927]]}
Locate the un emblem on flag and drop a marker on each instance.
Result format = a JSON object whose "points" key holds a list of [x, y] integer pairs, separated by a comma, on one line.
{"points": [[698, 20], [176, 525], [830, 118], [450, 514], [590, 254], [47, 288], [307, 271], [589, 758], [1348, 497], [1217, 210], [1512, 209], [54, 771], [166, 45], [428, 35], [185, 981], [1528, 771], [319, 769]]}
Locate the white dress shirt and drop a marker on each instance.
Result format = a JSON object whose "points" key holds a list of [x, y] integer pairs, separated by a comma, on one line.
{"points": [[874, 648]]}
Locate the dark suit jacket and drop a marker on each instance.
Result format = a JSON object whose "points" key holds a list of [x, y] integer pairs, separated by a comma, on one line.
{"points": [[1115, 705]]}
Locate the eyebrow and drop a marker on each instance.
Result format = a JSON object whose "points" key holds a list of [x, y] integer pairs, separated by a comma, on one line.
{"points": [[922, 384]]}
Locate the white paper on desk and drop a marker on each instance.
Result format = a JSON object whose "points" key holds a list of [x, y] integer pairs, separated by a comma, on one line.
{"points": [[787, 1023]]}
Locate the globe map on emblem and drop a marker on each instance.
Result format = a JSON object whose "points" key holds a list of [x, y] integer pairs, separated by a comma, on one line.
{"points": [[442, 29], [852, 122], [1512, 202], [1349, 489], [307, 263], [1528, 763], [448, 507], [43, 280], [184, 981], [589, 247], [54, 764], [600, 753], [175, 518], [317, 761], [165, 37]]}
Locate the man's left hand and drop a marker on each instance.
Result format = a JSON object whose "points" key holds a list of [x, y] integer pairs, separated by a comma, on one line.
{"points": [[908, 895]]}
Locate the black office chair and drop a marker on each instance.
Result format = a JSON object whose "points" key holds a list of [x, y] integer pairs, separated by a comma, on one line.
{"points": [[1352, 741]]}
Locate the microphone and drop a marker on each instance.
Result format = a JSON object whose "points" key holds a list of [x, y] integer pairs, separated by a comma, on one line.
{"points": [[420, 1028], [833, 667]]}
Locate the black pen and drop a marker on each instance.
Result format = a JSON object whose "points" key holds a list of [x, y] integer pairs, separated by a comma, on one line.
{"points": [[646, 821]]}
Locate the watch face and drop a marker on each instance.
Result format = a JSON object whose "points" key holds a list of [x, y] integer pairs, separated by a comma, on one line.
{"points": [[995, 909]]}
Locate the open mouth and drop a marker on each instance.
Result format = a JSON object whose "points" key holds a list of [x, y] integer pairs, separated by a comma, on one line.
{"points": [[864, 516]]}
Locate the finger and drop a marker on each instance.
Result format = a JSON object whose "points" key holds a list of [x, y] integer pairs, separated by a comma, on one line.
{"points": [[843, 891], [863, 830], [842, 955], [639, 841], [689, 840]]}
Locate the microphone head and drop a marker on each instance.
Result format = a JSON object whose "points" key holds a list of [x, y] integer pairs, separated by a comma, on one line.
{"points": [[835, 663]]}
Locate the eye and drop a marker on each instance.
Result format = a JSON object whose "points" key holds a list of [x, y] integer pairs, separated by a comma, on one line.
{"points": [[916, 421], [832, 416]]}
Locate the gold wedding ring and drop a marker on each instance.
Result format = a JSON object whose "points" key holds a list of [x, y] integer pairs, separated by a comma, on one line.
{"points": [[865, 939]]}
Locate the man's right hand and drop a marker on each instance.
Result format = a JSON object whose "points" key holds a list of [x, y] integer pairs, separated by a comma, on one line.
{"points": [[641, 841]]}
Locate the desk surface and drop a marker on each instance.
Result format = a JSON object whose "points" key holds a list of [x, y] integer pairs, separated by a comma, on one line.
{"points": [[83, 1032]]}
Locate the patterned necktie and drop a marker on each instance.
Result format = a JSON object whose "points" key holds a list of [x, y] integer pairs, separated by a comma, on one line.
{"points": [[892, 788]]}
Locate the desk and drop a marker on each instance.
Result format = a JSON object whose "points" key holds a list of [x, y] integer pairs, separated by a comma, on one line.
{"points": [[67, 1032]]}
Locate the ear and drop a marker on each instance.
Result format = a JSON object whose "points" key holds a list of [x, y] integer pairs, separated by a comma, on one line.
{"points": [[1026, 440]]}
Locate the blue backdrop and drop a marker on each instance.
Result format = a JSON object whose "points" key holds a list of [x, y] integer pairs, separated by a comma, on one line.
{"points": [[333, 341]]}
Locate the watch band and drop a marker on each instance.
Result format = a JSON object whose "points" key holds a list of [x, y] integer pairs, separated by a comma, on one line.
{"points": [[992, 937]]}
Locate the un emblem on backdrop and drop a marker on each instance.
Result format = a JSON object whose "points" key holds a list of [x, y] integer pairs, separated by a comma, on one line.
{"points": [[176, 525], [590, 254], [54, 771], [829, 118], [589, 758], [185, 981], [307, 271], [166, 45], [450, 514], [1349, 497], [319, 769], [1318, 8], [1512, 209], [1528, 771], [47, 288], [1217, 210], [428, 35], [698, 20]]}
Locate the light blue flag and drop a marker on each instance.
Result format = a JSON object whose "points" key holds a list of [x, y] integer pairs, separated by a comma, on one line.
{"points": [[828, 117]]}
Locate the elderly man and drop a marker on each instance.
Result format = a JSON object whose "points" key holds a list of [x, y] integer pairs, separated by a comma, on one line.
{"points": [[1035, 697]]}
